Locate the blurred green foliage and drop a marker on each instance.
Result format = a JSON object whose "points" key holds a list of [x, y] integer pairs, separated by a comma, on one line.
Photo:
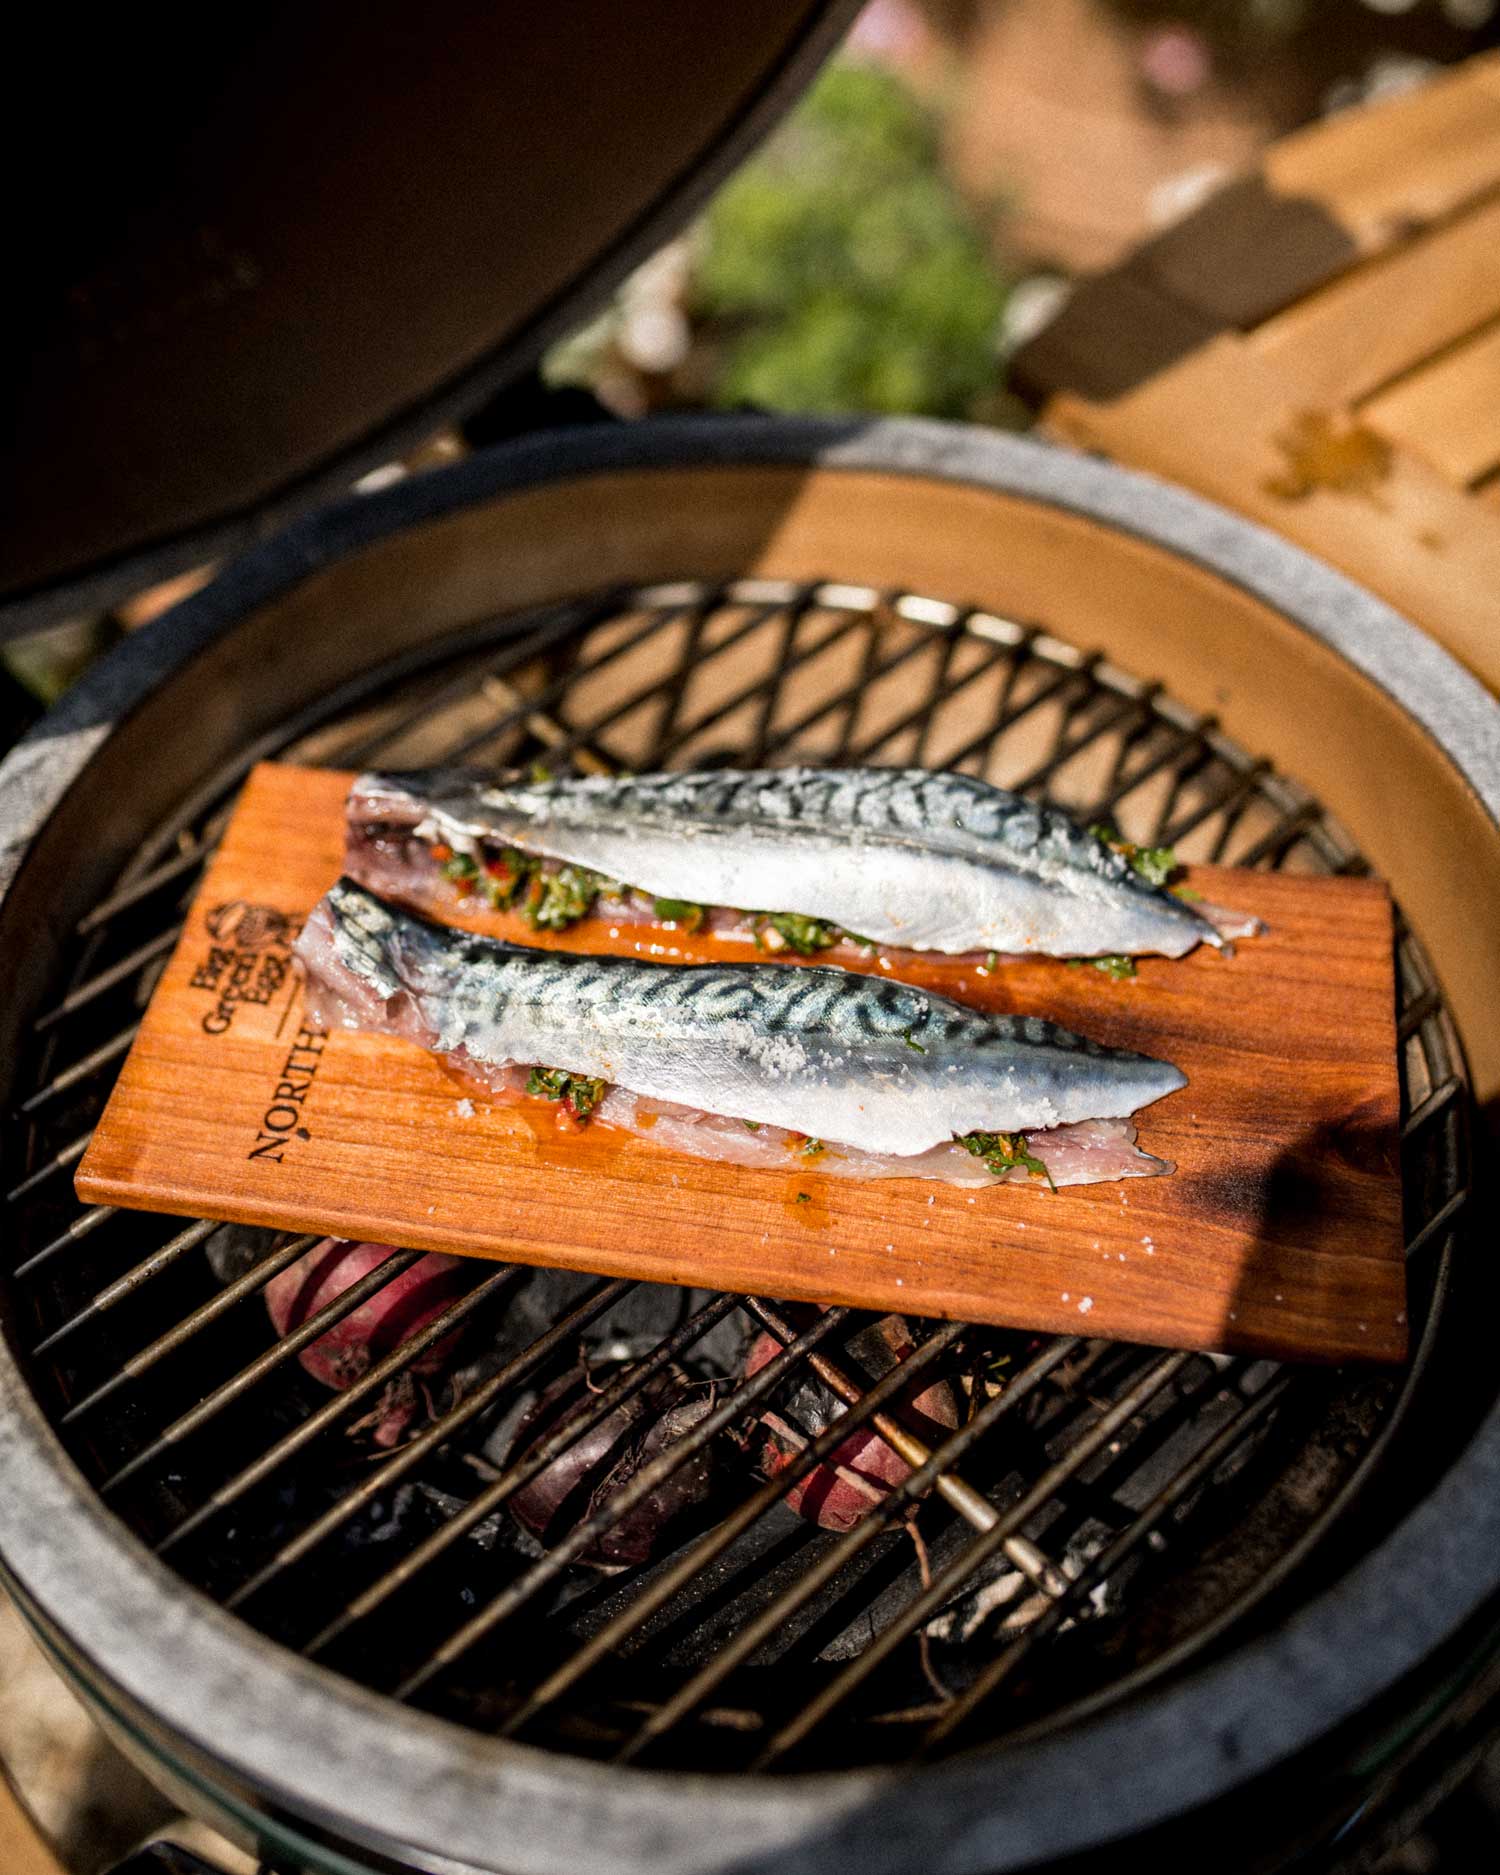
{"points": [[839, 271]]}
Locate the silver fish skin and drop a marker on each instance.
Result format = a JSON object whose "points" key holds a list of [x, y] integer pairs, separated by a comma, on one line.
{"points": [[863, 1061], [901, 856]]}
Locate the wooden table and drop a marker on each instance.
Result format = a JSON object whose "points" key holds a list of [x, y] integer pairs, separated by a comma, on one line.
{"points": [[1318, 347]]}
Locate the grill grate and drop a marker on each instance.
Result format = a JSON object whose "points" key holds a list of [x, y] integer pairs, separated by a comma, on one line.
{"points": [[1101, 1511]]}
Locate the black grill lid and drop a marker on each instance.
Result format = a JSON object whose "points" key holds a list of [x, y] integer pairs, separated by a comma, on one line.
{"points": [[261, 247]]}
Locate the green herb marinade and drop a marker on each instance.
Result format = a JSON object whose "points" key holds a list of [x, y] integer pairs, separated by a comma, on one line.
{"points": [[804, 935], [1005, 1152], [1155, 864], [581, 1092]]}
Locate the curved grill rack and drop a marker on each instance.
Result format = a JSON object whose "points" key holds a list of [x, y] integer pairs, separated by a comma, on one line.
{"points": [[1101, 1513]]}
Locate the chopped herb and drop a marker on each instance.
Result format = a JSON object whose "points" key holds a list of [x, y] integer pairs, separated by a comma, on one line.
{"points": [[557, 899], [1185, 892], [504, 875], [796, 932], [991, 958], [460, 868], [1120, 968], [1117, 967], [1155, 864], [537, 773], [1003, 1152], [803, 1197], [680, 911], [584, 1095], [751, 1126], [916, 1047], [810, 1148], [581, 1092]]}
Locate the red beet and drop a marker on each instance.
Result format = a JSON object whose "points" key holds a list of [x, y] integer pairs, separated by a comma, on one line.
{"points": [[582, 1479], [348, 1350], [863, 1469]]}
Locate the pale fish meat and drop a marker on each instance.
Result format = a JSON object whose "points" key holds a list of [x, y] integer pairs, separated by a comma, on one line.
{"points": [[746, 1062], [902, 857]]}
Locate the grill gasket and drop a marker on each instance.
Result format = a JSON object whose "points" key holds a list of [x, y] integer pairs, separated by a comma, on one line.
{"points": [[1072, 684]]}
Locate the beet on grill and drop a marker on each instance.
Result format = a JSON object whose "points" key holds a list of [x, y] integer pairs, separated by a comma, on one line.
{"points": [[1100, 1515]]}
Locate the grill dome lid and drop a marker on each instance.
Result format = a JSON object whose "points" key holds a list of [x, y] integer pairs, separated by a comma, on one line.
{"points": [[255, 256]]}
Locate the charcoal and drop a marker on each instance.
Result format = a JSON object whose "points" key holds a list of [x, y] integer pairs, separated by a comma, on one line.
{"points": [[233, 1250]]}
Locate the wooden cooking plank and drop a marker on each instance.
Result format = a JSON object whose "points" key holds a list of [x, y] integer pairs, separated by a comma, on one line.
{"points": [[1384, 318], [1279, 1233], [1448, 412]]}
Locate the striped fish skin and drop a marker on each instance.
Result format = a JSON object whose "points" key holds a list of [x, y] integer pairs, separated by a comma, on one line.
{"points": [[874, 1064], [901, 856]]}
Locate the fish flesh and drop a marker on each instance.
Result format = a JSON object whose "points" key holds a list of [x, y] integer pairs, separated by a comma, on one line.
{"points": [[861, 1076], [903, 857]]}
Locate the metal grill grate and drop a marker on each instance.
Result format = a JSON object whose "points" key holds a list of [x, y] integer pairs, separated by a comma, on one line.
{"points": [[1100, 1513]]}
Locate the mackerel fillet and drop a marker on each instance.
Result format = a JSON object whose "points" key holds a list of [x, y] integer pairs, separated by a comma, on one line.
{"points": [[883, 1078], [903, 857]]}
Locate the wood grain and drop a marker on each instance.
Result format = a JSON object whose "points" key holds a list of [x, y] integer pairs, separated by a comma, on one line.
{"points": [[1279, 1233], [1449, 411], [1361, 331], [1387, 168]]}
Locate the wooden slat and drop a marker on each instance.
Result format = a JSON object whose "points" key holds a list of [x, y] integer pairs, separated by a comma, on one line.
{"points": [[1247, 252], [1448, 412], [1385, 317], [1386, 169], [1279, 1232], [1113, 333]]}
